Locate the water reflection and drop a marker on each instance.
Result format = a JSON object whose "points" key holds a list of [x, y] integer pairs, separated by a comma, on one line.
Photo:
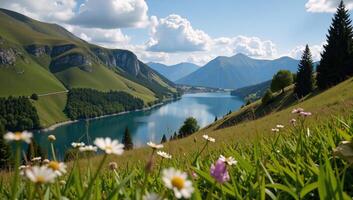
{"points": [[146, 125]]}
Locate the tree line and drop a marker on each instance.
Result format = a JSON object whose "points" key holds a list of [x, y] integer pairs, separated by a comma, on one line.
{"points": [[335, 66], [86, 103]]}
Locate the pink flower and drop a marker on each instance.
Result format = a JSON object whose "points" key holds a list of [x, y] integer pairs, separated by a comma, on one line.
{"points": [[297, 110], [293, 121], [219, 171], [305, 114]]}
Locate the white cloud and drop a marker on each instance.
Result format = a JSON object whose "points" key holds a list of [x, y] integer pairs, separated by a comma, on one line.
{"points": [[175, 34], [110, 38], [326, 5], [110, 14], [50, 11], [315, 50]]}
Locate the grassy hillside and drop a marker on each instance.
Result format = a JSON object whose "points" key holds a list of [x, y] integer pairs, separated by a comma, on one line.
{"points": [[50, 109]]}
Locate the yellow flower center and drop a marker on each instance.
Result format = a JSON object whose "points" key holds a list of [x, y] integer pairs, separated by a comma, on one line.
{"points": [[178, 182], [108, 148], [54, 165], [18, 135], [40, 179]]}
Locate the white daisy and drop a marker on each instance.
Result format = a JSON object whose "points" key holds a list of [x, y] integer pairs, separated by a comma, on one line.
{"points": [[40, 174], [109, 146], [19, 136], [208, 138], [178, 182], [89, 148], [155, 146], [229, 161], [58, 168], [275, 130], [279, 126], [35, 159], [164, 154], [77, 144], [51, 138]]}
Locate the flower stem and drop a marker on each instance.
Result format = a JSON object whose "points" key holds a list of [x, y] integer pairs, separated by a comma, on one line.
{"points": [[53, 150], [16, 176], [88, 190]]}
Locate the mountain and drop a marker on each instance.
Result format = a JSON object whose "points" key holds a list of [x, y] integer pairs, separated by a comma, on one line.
{"points": [[237, 71], [37, 57], [174, 72]]}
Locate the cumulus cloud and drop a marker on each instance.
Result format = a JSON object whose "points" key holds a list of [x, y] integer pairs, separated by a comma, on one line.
{"points": [[109, 14], [51, 11], [175, 34], [315, 50], [251, 46], [326, 5]]}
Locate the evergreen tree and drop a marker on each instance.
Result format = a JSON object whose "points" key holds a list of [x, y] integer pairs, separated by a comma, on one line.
{"points": [[304, 83], [216, 118], [336, 59], [127, 141], [164, 139]]}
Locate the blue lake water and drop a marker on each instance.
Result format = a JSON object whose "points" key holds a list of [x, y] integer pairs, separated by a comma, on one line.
{"points": [[149, 125]]}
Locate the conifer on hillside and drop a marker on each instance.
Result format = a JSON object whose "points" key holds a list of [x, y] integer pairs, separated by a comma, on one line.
{"points": [[127, 140], [304, 83]]}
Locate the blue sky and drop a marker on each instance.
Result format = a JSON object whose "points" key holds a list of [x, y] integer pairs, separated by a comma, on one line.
{"points": [[172, 31]]}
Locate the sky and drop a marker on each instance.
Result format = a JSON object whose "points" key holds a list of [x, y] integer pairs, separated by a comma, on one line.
{"points": [[197, 31]]}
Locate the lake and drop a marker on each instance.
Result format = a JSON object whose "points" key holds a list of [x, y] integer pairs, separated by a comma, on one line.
{"points": [[148, 125]]}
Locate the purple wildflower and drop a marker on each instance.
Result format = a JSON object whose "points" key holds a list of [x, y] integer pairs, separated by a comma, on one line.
{"points": [[219, 171]]}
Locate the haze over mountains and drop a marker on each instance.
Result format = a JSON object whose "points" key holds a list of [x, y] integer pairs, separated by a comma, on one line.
{"points": [[237, 71], [174, 72]]}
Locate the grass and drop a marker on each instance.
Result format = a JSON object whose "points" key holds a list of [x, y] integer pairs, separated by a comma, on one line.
{"points": [[50, 109]]}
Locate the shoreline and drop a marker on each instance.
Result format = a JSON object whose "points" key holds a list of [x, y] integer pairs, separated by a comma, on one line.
{"points": [[57, 125]]}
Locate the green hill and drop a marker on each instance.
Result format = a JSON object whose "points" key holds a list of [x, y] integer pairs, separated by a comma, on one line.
{"points": [[43, 58]]}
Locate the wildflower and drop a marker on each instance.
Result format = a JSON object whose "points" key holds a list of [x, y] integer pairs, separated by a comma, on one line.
{"points": [[58, 168], [275, 130], [305, 114], [88, 148], [51, 138], [151, 196], [208, 138], [293, 121], [46, 161], [229, 161], [40, 174], [113, 166], [219, 171], [155, 146], [164, 154], [62, 182], [35, 159], [19, 136], [178, 182], [345, 151], [297, 110], [109, 146], [279, 126], [77, 144]]}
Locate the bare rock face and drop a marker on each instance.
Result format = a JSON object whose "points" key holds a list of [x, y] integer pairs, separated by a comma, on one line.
{"points": [[57, 50], [37, 50], [127, 61], [70, 60], [105, 57], [7, 56]]}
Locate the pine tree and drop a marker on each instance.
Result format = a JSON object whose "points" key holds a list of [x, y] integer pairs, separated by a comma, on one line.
{"points": [[5, 151], [164, 139], [127, 141], [304, 83], [336, 60]]}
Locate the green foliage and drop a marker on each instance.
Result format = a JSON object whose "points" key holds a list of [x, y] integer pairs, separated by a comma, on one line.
{"points": [[282, 79], [34, 96], [86, 103], [304, 83], [337, 58], [253, 92], [189, 127], [127, 140], [17, 114], [267, 98], [5, 151]]}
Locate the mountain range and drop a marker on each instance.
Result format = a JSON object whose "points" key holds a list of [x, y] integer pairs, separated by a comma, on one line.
{"points": [[37, 57], [237, 71], [174, 72]]}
